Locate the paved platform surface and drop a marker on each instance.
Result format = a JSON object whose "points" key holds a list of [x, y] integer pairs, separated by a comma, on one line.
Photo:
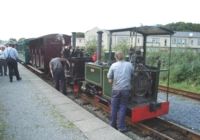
{"points": [[33, 110]]}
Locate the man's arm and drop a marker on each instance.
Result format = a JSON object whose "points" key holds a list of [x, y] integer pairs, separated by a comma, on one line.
{"points": [[110, 75], [15, 53], [65, 60], [50, 67]]}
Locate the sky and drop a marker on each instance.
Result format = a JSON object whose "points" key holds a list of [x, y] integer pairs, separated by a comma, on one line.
{"points": [[34, 18]]}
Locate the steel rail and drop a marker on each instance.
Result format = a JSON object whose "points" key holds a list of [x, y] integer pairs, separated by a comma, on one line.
{"points": [[188, 94], [156, 128]]}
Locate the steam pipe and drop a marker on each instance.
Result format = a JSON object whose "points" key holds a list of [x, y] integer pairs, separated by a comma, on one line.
{"points": [[73, 40], [99, 46]]}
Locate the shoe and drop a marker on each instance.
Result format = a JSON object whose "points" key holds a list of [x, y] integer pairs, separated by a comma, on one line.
{"points": [[11, 80], [115, 127], [5, 74], [19, 79], [123, 130]]}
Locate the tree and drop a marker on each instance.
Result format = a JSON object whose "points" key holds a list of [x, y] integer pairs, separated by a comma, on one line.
{"points": [[91, 46], [122, 46], [182, 26], [12, 41]]}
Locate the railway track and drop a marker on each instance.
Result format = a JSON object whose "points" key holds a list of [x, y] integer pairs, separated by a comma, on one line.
{"points": [[162, 129], [188, 94], [154, 129]]}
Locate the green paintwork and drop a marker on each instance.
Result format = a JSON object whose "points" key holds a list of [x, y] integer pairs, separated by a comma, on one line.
{"points": [[107, 87], [93, 73], [106, 56], [23, 51]]}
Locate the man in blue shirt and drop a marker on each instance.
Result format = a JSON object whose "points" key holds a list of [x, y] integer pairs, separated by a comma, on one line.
{"points": [[120, 75], [11, 56], [3, 64]]}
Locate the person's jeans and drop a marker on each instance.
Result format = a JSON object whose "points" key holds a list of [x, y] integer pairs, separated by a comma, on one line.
{"points": [[59, 78], [3, 67], [13, 67], [119, 102]]}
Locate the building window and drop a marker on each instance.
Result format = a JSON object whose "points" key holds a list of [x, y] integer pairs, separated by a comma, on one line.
{"points": [[165, 42], [192, 42], [138, 41], [198, 42], [155, 40], [184, 41], [174, 41], [179, 41]]}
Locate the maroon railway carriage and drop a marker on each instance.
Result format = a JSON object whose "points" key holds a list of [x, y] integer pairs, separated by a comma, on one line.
{"points": [[43, 48]]}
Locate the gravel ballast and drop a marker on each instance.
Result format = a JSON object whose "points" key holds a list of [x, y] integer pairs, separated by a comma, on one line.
{"points": [[183, 111]]}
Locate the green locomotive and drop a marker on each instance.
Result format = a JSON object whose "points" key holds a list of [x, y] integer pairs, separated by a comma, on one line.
{"points": [[144, 103]]}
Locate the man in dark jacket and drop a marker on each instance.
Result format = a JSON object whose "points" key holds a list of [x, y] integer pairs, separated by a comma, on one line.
{"points": [[57, 72]]}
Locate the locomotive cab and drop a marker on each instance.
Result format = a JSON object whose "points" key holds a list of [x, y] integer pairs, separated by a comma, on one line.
{"points": [[74, 72]]}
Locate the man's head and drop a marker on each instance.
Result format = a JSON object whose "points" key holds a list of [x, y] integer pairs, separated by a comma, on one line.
{"points": [[3, 48], [119, 56]]}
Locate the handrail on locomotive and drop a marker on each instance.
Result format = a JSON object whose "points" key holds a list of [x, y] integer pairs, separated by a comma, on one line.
{"points": [[146, 78]]}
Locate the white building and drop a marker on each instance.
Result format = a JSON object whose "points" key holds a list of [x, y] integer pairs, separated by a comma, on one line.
{"points": [[91, 35], [80, 42], [186, 39], [179, 39]]}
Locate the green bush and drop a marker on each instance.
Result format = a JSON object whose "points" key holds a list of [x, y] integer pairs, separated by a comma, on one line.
{"points": [[122, 46], [91, 46], [184, 66]]}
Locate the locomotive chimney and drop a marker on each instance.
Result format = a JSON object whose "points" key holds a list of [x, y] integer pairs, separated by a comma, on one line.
{"points": [[73, 40], [99, 46]]}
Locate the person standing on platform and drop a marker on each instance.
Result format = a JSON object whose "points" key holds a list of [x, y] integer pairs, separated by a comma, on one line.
{"points": [[120, 75], [3, 63], [57, 71], [11, 56]]}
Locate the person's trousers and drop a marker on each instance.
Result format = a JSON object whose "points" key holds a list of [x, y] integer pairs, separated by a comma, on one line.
{"points": [[12, 67], [3, 67], [119, 102], [59, 79]]}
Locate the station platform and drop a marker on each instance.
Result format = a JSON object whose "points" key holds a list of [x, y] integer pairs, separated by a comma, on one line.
{"points": [[32, 109]]}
